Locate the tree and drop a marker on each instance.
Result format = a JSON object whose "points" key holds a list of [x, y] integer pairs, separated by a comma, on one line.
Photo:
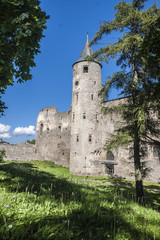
{"points": [[2, 155], [139, 126], [150, 49], [31, 141], [21, 29]]}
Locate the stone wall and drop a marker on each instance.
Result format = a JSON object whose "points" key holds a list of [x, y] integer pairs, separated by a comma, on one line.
{"points": [[20, 152], [124, 162], [53, 136]]}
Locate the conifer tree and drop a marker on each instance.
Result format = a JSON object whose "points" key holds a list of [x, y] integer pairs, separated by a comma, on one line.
{"points": [[135, 81]]}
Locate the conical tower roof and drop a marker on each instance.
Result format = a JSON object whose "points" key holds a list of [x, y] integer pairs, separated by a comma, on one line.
{"points": [[87, 51]]}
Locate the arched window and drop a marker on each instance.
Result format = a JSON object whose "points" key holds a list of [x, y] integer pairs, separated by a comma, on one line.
{"points": [[110, 156], [90, 138], [110, 166], [91, 96]]}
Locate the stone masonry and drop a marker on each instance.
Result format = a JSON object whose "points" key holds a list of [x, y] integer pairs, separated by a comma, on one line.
{"points": [[76, 138], [19, 152]]}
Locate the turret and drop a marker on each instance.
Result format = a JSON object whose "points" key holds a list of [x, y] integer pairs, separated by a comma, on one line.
{"points": [[85, 127]]}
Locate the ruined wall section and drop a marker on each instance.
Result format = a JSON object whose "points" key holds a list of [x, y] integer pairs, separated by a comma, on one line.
{"points": [[122, 155], [53, 136], [19, 152]]}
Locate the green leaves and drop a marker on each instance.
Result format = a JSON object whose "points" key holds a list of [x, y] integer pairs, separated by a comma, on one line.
{"points": [[137, 52], [21, 28]]}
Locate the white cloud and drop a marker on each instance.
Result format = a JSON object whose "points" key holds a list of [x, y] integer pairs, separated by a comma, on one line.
{"points": [[4, 128], [24, 130], [5, 135]]}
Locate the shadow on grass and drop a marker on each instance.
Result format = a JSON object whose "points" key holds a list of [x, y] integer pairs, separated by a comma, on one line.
{"points": [[96, 216], [25, 177], [127, 189]]}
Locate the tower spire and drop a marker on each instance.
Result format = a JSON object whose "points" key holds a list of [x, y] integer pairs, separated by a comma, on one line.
{"points": [[87, 51]]}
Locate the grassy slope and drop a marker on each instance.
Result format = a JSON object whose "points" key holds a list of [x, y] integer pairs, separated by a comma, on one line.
{"points": [[39, 200]]}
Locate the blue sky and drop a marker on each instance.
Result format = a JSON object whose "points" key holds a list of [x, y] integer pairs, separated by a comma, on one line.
{"points": [[51, 84]]}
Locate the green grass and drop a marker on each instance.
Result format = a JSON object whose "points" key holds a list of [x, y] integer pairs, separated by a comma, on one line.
{"points": [[40, 200]]}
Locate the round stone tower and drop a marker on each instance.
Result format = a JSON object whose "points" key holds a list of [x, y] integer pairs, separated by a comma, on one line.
{"points": [[85, 121]]}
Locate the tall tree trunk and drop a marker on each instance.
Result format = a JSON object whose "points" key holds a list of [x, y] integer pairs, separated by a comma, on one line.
{"points": [[137, 166], [137, 159]]}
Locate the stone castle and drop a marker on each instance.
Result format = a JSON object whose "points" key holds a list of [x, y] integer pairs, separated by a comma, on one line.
{"points": [[76, 138]]}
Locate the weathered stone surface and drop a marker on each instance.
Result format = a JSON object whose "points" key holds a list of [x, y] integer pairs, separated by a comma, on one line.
{"points": [[53, 136], [76, 138], [20, 152]]}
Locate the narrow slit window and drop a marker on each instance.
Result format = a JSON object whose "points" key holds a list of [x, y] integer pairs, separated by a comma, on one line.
{"points": [[84, 115], [85, 69], [73, 116], [90, 138], [77, 97], [77, 138], [91, 96], [94, 82]]}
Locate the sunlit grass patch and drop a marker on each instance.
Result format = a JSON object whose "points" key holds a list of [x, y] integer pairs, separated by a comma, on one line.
{"points": [[40, 200]]}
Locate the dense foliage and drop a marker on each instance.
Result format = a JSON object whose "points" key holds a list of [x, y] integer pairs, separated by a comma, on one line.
{"points": [[21, 29], [2, 155], [136, 80], [40, 200]]}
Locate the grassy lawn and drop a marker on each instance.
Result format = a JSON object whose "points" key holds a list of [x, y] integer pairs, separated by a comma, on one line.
{"points": [[40, 200]]}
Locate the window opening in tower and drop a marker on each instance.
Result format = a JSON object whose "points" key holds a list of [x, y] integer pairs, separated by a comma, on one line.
{"points": [[41, 128], [73, 116], [77, 96], [85, 69], [90, 138], [91, 96]]}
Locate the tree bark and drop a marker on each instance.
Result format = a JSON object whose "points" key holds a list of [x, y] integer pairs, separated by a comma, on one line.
{"points": [[137, 166]]}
